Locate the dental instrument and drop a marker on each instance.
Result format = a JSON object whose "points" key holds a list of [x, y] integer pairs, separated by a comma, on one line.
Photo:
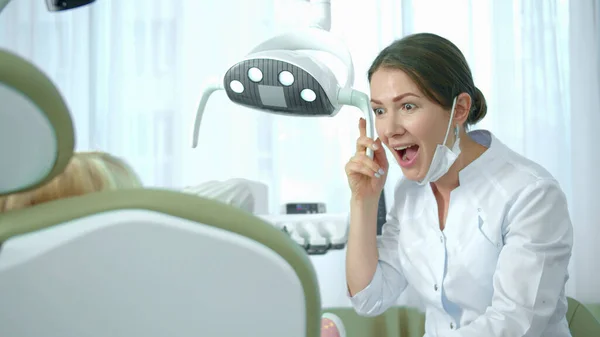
{"points": [[316, 233], [278, 77]]}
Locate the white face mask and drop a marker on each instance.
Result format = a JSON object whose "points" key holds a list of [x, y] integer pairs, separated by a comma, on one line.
{"points": [[443, 158]]}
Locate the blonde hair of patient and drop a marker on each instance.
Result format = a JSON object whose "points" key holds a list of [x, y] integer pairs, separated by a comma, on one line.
{"points": [[87, 172]]}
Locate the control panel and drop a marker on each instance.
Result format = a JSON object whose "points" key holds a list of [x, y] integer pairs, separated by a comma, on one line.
{"points": [[304, 208]]}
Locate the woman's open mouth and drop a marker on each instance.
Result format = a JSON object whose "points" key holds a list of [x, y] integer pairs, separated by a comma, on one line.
{"points": [[407, 154]]}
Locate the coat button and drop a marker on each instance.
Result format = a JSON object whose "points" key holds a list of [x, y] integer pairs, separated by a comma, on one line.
{"points": [[435, 287], [451, 325]]}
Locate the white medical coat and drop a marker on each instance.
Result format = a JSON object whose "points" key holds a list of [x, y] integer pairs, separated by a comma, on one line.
{"points": [[498, 268]]}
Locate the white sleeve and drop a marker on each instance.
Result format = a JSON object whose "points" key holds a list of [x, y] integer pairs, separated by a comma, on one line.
{"points": [[531, 272], [388, 282]]}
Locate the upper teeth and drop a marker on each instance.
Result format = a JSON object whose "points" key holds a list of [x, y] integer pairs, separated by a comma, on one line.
{"points": [[403, 147]]}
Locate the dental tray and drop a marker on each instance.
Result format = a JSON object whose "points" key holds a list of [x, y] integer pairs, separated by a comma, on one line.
{"points": [[316, 233]]}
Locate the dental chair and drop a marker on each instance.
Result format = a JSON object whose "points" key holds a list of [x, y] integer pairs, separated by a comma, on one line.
{"points": [[137, 262]]}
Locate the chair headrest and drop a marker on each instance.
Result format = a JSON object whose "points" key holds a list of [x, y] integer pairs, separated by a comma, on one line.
{"points": [[36, 130]]}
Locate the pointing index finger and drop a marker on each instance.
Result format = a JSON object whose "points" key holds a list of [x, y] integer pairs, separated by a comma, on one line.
{"points": [[362, 127]]}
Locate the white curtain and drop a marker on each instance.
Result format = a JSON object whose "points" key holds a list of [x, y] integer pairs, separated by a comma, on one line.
{"points": [[132, 72], [583, 153]]}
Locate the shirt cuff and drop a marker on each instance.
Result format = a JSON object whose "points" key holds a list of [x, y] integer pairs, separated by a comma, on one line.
{"points": [[365, 298]]}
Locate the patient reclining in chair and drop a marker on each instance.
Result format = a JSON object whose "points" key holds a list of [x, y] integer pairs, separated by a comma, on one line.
{"points": [[87, 172], [90, 172]]}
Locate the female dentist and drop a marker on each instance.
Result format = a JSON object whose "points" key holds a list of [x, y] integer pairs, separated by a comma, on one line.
{"points": [[480, 232]]}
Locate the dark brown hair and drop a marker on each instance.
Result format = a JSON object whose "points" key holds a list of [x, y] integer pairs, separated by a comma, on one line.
{"points": [[437, 66]]}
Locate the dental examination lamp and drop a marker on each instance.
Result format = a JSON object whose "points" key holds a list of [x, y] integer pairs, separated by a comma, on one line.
{"points": [[278, 77], [56, 5]]}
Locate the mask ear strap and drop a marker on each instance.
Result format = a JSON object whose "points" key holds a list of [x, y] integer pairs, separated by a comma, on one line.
{"points": [[450, 121]]}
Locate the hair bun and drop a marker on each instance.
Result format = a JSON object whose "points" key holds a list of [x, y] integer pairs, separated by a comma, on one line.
{"points": [[479, 108]]}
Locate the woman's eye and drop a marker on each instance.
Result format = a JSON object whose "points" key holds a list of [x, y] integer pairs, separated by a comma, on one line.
{"points": [[378, 111], [408, 106]]}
